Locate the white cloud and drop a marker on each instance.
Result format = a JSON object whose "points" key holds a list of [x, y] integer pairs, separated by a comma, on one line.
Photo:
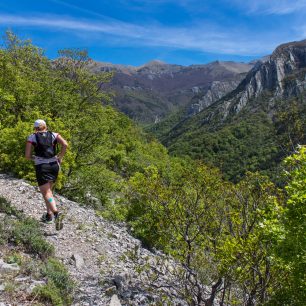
{"points": [[271, 7], [202, 37]]}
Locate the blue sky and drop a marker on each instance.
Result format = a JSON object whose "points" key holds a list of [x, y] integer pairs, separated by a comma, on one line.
{"points": [[134, 32]]}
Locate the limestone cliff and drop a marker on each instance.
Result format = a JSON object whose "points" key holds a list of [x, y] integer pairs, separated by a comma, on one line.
{"points": [[282, 75]]}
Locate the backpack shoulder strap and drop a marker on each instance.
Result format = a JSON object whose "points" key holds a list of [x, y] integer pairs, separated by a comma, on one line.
{"points": [[36, 139], [54, 141]]}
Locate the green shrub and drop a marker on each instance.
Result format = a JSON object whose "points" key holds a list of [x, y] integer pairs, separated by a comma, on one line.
{"points": [[25, 231], [49, 293], [14, 257], [59, 282], [4, 235], [28, 233], [6, 208]]}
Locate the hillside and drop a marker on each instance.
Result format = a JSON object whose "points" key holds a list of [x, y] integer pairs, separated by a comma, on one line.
{"points": [[272, 90], [102, 258], [150, 92]]}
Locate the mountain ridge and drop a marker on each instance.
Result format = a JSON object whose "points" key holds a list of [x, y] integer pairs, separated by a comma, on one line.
{"points": [[150, 92], [249, 116], [282, 75]]}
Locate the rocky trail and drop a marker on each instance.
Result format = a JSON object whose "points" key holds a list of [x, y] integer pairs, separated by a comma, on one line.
{"points": [[102, 257]]}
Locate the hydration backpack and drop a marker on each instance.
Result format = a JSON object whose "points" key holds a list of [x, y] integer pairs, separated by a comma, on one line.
{"points": [[45, 144]]}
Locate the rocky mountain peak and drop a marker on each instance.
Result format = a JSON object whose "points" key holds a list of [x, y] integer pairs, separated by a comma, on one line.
{"points": [[287, 47], [154, 63], [157, 67], [282, 75]]}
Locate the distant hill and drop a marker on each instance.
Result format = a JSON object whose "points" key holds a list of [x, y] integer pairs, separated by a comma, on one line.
{"points": [[247, 127], [150, 92]]}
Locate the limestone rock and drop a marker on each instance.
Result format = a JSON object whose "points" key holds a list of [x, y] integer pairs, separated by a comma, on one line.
{"points": [[79, 261], [115, 301], [6, 268]]}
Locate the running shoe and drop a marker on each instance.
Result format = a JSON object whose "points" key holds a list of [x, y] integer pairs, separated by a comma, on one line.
{"points": [[46, 218]]}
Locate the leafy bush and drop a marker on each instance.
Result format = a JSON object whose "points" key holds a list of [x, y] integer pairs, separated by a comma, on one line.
{"points": [[49, 293], [291, 249], [59, 287], [28, 233], [6, 208], [24, 231]]}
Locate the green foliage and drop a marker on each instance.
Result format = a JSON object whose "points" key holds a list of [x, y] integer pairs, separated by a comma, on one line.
{"points": [[243, 145], [4, 233], [252, 222], [178, 210], [24, 231], [28, 233], [14, 257], [217, 230], [59, 287], [49, 294], [290, 123], [157, 200], [162, 129], [105, 147], [256, 139], [292, 246], [6, 208]]}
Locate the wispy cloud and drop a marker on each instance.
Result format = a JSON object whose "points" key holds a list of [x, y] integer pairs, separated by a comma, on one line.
{"points": [[271, 7], [202, 37], [63, 23]]}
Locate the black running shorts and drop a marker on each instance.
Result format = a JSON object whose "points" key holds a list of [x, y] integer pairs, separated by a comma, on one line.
{"points": [[46, 173]]}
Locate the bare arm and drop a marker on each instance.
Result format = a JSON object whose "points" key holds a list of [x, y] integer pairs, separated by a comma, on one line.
{"points": [[28, 151], [64, 146]]}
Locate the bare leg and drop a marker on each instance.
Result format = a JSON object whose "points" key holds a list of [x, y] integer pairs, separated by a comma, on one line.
{"points": [[46, 191]]}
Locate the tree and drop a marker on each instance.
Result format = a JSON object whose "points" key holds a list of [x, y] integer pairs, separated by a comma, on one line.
{"points": [[253, 213], [181, 212], [292, 246]]}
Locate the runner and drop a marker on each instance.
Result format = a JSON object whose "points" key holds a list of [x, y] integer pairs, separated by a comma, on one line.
{"points": [[47, 165]]}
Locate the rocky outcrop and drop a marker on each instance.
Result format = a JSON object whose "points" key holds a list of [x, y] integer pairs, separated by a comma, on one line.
{"points": [[216, 91], [282, 75]]}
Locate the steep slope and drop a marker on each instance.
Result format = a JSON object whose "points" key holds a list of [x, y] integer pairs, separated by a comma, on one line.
{"points": [[150, 92], [101, 257], [269, 88]]}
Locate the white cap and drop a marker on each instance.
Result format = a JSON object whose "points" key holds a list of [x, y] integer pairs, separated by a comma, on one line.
{"points": [[39, 122]]}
